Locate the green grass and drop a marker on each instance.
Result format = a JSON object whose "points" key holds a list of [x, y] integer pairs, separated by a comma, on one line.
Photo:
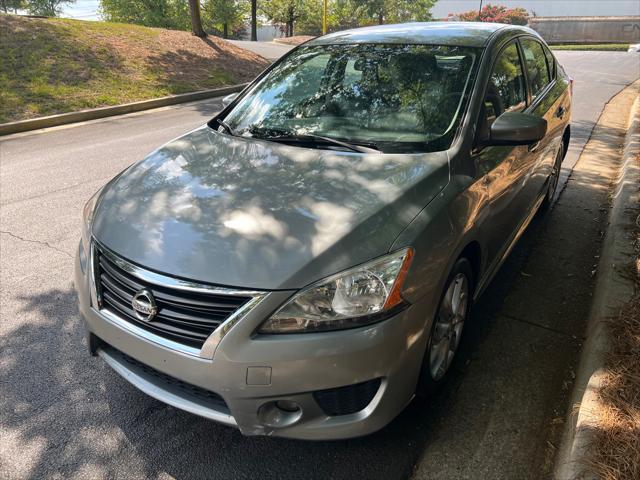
{"points": [[605, 47], [50, 66]]}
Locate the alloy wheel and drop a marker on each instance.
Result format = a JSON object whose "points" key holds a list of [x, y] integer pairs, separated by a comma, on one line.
{"points": [[448, 328], [555, 175]]}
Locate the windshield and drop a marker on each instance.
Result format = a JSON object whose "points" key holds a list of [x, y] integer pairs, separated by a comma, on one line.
{"points": [[398, 98]]}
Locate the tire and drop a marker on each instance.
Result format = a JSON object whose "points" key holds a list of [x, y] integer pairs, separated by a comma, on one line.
{"points": [[446, 332], [553, 179]]}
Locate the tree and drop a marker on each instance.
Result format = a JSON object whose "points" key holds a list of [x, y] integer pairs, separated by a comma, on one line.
{"points": [[46, 8], [196, 19], [286, 12], [342, 15], [225, 15], [495, 14], [15, 5], [151, 13], [254, 20], [392, 11]]}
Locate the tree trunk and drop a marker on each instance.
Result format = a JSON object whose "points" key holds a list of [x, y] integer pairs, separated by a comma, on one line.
{"points": [[291, 13], [225, 30], [196, 19], [254, 20]]}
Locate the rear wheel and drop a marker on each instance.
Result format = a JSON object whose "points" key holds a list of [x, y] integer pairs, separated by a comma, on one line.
{"points": [[553, 178], [447, 328]]}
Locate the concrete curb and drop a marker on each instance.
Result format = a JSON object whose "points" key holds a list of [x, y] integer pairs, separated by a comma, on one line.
{"points": [[612, 290], [102, 112]]}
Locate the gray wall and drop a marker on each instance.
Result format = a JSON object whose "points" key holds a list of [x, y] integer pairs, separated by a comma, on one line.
{"points": [[546, 8], [587, 29]]}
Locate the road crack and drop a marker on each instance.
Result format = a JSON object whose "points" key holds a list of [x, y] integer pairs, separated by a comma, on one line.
{"points": [[39, 242], [544, 327]]}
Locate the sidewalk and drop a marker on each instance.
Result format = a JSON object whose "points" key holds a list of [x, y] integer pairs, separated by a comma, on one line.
{"points": [[618, 133]]}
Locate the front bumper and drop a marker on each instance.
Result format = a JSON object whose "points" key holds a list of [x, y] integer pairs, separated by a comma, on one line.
{"points": [[252, 372]]}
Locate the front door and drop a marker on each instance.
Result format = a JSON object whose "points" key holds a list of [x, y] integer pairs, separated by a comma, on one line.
{"points": [[502, 169]]}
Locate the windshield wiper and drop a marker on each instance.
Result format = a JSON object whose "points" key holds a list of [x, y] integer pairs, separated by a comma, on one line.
{"points": [[225, 126], [319, 139]]}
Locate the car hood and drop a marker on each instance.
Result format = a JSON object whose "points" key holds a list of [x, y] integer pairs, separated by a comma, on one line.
{"points": [[250, 213]]}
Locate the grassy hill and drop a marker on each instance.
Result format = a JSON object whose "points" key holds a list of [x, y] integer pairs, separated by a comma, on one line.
{"points": [[52, 66]]}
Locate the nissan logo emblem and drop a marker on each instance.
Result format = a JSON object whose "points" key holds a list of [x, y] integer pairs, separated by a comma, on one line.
{"points": [[144, 305]]}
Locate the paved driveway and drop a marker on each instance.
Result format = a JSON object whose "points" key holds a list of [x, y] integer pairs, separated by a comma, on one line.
{"points": [[269, 50], [65, 415]]}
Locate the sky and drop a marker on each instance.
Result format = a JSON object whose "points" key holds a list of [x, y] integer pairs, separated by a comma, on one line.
{"points": [[82, 10], [88, 9]]}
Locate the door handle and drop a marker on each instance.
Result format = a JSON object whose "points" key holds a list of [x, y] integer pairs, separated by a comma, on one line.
{"points": [[560, 112]]}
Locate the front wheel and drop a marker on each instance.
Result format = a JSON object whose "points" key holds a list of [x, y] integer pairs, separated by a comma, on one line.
{"points": [[553, 178], [446, 331]]}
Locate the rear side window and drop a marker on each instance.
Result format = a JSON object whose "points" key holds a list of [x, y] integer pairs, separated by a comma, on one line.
{"points": [[551, 61], [536, 63]]}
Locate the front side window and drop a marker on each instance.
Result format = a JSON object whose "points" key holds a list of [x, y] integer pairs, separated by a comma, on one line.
{"points": [[536, 62], [506, 90], [402, 98]]}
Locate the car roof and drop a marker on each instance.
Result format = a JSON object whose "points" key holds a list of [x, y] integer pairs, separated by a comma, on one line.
{"points": [[467, 34]]}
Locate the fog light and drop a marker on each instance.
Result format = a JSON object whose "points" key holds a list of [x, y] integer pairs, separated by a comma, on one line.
{"points": [[281, 413], [287, 406]]}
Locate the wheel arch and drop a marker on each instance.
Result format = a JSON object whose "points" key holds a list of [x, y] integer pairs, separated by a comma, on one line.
{"points": [[473, 252], [566, 138]]}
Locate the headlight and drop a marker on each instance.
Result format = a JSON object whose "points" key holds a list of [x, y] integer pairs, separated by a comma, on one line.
{"points": [[356, 297], [87, 217]]}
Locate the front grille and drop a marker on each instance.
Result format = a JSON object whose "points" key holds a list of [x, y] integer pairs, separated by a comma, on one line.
{"points": [[346, 400], [182, 316]]}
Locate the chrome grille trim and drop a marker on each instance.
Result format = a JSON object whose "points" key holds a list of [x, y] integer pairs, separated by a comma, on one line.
{"points": [[210, 345], [176, 283]]}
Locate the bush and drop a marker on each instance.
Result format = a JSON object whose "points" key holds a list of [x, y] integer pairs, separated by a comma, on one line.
{"points": [[494, 13]]}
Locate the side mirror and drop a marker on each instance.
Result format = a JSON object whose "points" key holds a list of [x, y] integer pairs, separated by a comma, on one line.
{"points": [[226, 101], [514, 128]]}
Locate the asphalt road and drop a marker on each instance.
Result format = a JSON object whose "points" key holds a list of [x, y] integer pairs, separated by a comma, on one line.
{"points": [[66, 415], [269, 50]]}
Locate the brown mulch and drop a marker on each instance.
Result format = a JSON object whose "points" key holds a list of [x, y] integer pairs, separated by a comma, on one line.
{"points": [[188, 58], [181, 48], [616, 445]]}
